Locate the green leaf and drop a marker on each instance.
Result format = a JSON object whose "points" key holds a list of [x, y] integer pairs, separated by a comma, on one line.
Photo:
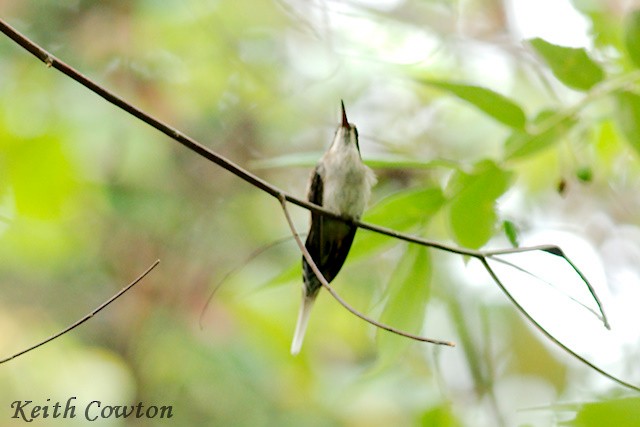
{"points": [[605, 27], [472, 213], [309, 160], [291, 274], [549, 130], [624, 412], [404, 163], [401, 211], [572, 66], [405, 208], [585, 174], [629, 117], [441, 416], [405, 308], [492, 103], [531, 355], [42, 177], [511, 231], [632, 36], [609, 143]]}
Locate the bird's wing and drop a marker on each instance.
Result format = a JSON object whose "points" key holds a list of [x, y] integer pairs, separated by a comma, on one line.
{"points": [[329, 240], [315, 195], [316, 189]]}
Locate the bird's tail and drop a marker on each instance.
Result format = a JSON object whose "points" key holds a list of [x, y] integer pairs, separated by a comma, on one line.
{"points": [[303, 320]]}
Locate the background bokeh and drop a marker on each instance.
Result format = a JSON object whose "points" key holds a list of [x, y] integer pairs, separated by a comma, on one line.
{"points": [[90, 197]]}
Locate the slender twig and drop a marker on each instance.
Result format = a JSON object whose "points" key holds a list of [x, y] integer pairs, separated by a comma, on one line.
{"points": [[606, 88], [334, 294], [87, 317], [547, 334], [53, 62], [230, 273], [190, 143], [557, 251], [528, 273]]}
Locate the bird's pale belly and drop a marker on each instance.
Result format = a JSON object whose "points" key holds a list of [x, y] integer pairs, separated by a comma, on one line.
{"points": [[344, 195]]}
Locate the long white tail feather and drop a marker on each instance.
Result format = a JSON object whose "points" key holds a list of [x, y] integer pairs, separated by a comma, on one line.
{"points": [[301, 326]]}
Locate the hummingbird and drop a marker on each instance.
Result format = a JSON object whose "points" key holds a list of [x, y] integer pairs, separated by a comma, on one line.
{"points": [[340, 183]]}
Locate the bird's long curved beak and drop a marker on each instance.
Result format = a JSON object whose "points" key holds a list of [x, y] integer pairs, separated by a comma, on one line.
{"points": [[345, 122]]}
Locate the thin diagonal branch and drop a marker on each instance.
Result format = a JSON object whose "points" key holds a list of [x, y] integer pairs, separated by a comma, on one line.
{"points": [[87, 317], [230, 273], [53, 62], [190, 143], [527, 272], [334, 294], [547, 334], [557, 251]]}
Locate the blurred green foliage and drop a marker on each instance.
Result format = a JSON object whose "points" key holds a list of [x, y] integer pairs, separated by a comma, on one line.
{"points": [[456, 113], [621, 412], [571, 66]]}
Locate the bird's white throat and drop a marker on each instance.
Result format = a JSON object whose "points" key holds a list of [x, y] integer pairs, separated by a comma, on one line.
{"points": [[347, 181]]}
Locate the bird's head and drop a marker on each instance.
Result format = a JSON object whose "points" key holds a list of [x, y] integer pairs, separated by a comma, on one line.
{"points": [[346, 134]]}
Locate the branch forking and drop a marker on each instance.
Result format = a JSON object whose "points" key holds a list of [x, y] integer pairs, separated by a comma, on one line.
{"points": [[53, 62]]}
